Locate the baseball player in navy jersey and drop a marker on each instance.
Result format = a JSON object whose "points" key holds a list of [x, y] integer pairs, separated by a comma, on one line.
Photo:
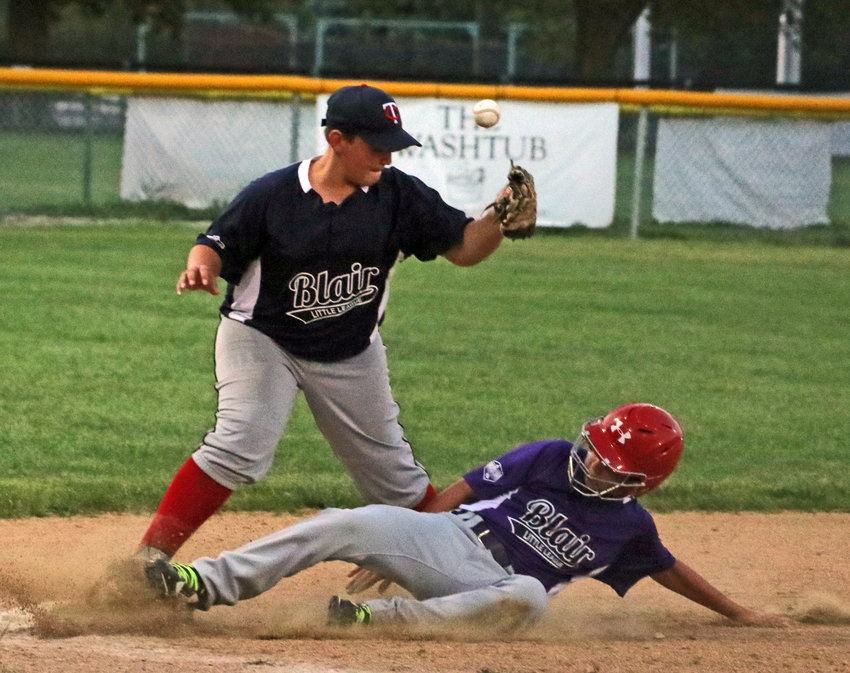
{"points": [[519, 529], [306, 252]]}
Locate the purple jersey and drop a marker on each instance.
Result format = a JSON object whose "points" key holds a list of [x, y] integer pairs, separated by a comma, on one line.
{"points": [[554, 533]]}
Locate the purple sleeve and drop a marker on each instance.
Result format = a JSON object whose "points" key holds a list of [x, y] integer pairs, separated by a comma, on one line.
{"points": [[513, 469], [642, 556]]}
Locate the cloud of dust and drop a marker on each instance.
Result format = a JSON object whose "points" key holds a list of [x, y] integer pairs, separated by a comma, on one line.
{"points": [[825, 609]]}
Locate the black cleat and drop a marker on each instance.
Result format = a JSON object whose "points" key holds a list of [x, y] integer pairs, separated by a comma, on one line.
{"points": [[342, 612], [176, 581]]}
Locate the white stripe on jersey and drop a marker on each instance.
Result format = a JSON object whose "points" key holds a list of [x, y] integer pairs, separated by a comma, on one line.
{"points": [[246, 293], [385, 298], [557, 588], [492, 503]]}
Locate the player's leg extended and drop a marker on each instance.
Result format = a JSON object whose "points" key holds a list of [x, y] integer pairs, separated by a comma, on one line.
{"points": [[509, 602], [480, 587], [428, 554], [354, 408], [256, 395]]}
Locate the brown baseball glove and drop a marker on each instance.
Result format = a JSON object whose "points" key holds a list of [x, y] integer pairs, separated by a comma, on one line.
{"points": [[517, 209]]}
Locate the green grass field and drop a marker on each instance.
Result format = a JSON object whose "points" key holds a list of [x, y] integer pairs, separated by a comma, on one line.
{"points": [[41, 169], [107, 380]]}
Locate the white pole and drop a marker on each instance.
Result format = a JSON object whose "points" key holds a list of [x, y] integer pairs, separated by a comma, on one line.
{"points": [[642, 47], [674, 55], [142, 31], [789, 43]]}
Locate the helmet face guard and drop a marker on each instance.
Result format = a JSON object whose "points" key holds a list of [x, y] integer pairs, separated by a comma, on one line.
{"points": [[639, 446], [612, 484]]}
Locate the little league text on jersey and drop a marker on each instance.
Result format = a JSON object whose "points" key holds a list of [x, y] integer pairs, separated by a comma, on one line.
{"points": [[316, 297], [542, 528]]}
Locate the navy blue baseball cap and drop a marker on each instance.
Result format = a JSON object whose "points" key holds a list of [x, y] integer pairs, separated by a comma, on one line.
{"points": [[370, 113]]}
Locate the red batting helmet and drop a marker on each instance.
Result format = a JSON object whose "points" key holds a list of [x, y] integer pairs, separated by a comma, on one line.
{"points": [[641, 442]]}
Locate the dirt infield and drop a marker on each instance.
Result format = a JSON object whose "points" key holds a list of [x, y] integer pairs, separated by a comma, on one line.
{"points": [[55, 616]]}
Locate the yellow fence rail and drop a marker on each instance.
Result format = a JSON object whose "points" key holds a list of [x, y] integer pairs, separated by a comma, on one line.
{"points": [[93, 81]]}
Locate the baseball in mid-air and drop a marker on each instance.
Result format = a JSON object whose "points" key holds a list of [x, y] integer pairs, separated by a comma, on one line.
{"points": [[487, 113]]}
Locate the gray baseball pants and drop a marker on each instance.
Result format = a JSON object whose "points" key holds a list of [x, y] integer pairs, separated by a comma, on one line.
{"points": [[436, 557], [351, 402]]}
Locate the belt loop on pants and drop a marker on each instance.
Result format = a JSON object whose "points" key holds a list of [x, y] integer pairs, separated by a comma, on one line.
{"points": [[478, 526]]}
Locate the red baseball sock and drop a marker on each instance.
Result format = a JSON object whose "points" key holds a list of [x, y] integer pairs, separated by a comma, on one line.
{"points": [[430, 494], [192, 498]]}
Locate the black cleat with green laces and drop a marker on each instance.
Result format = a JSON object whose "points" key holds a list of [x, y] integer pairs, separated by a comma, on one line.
{"points": [[342, 612], [177, 581]]}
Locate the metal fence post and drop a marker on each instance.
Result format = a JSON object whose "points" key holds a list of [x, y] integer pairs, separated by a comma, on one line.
{"points": [[637, 188], [319, 49], [88, 141], [294, 127]]}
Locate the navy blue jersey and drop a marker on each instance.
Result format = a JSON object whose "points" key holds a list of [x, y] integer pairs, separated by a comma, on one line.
{"points": [[554, 533], [312, 275]]}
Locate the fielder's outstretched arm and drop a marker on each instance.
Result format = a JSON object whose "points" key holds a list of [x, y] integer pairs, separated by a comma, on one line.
{"points": [[480, 238], [687, 582]]}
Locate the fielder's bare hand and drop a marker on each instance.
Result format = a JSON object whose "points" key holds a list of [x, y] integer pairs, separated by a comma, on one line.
{"points": [[362, 579], [197, 278], [202, 269]]}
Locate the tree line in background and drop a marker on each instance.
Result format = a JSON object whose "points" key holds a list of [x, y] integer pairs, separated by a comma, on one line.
{"points": [[720, 43]]}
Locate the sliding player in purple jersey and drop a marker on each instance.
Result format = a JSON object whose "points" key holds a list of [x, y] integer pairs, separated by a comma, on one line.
{"points": [[519, 529]]}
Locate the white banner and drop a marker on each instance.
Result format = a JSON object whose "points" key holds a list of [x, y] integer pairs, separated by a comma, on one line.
{"points": [[841, 139], [200, 153], [570, 149], [772, 174]]}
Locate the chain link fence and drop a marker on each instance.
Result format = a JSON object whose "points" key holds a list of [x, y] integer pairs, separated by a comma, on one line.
{"points": [[63, 149]]}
